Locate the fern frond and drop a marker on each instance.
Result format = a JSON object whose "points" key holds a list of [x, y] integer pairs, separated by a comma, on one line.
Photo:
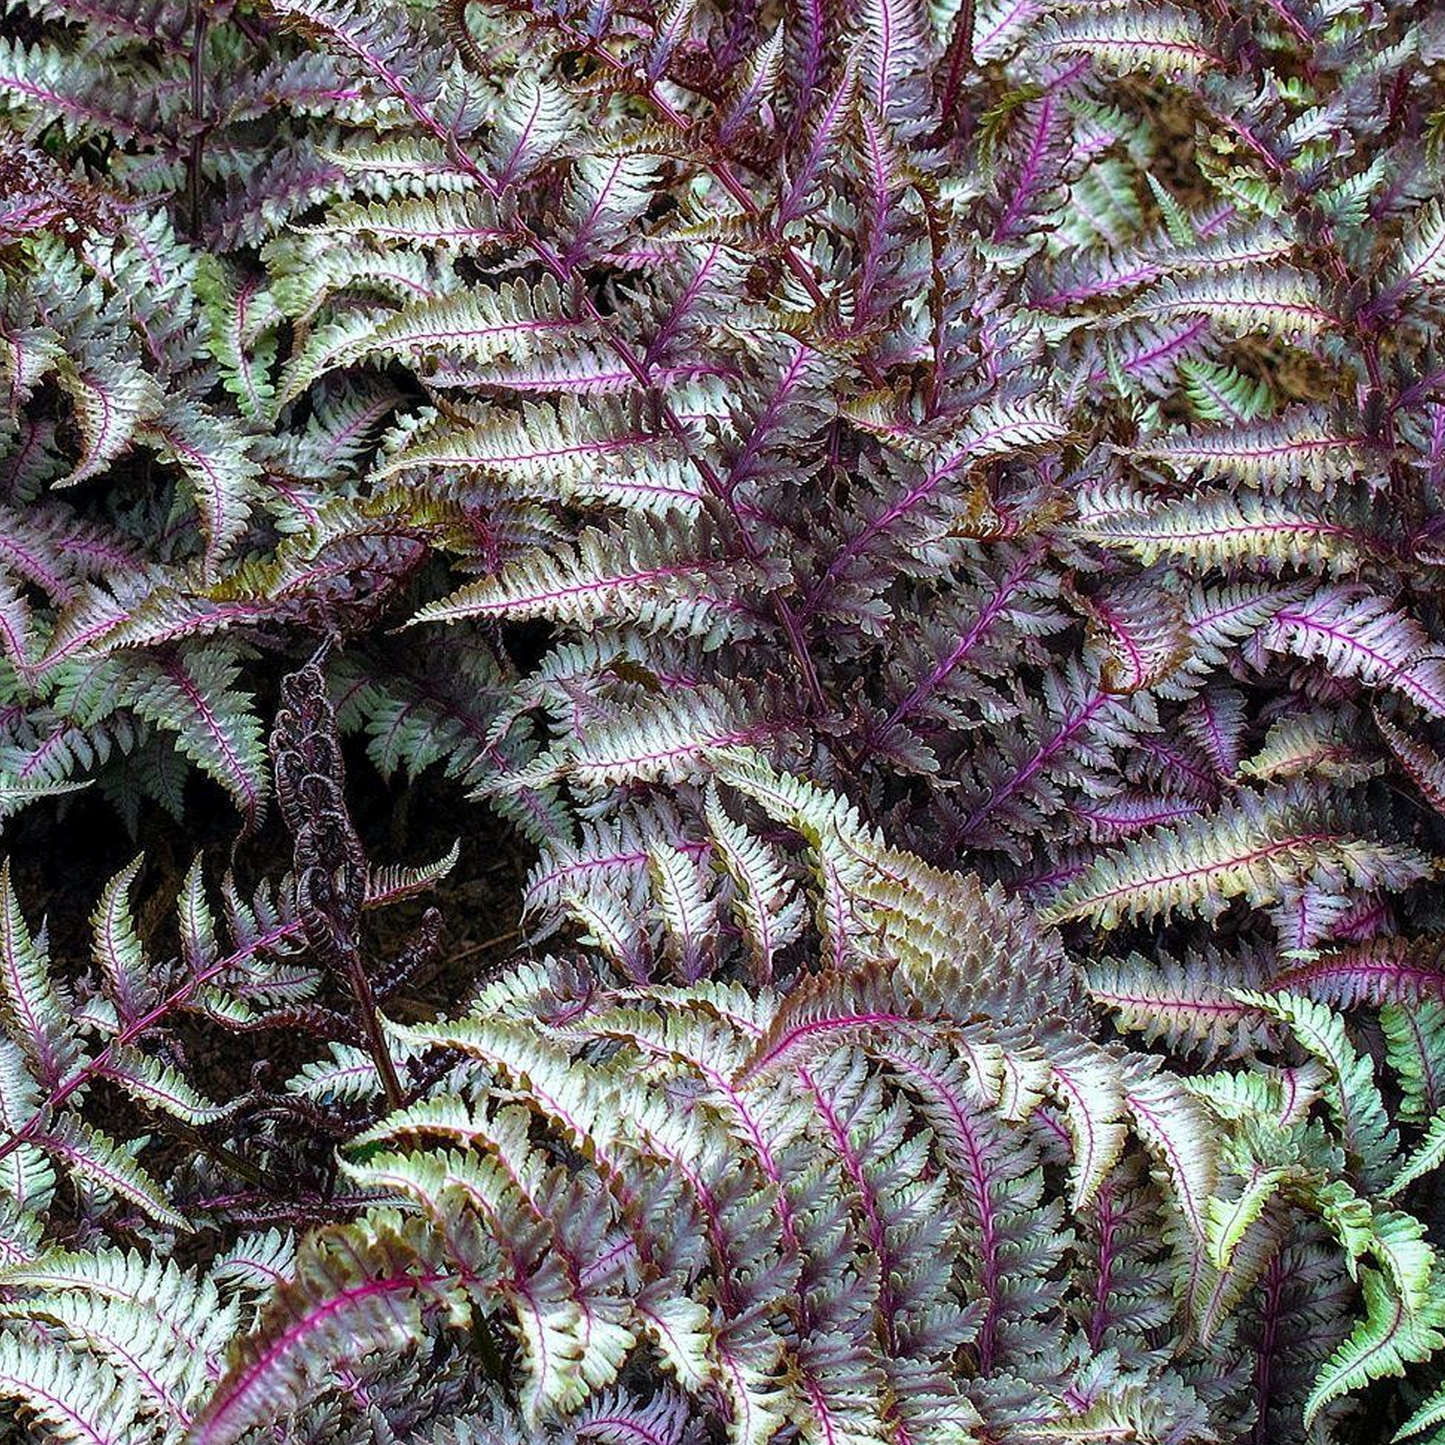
{"points": [[1385, 970], [1311, 744], [99, 1161], [1389, 1337], [195, 696], [1257, 847], [1415, 1051], [1177, 1131], [533, 122], [1301, 448], [153, 1323], [1355, 635], [1187, 1003], [212, 454], [242, 315], [1420, 257], [1352, 1095], [1424, 765], [1427, 1156], [768, 910], [1162, 39], [1224, 394], [1227, 529], [111, 406], [338, 1305], [157, 1086], [76, 1398], [118, 951], [1141, 630], [1285, 303], [670, 735], [46, 85], [596, 452], [479, 326], [465, 224], [655, 569], [37, 1008]]}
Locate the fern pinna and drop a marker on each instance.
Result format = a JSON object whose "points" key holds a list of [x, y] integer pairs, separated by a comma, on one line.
{"points": [[721, 438]]}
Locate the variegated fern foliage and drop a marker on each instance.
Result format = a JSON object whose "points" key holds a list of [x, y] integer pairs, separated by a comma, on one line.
{"points": [[736, 443]]}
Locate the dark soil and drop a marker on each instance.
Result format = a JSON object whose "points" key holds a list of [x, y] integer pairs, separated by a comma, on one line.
{"points": [[63, 857]]}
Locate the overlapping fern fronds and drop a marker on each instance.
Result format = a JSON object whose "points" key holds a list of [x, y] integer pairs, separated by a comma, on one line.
{"points": [[855, 488]]}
